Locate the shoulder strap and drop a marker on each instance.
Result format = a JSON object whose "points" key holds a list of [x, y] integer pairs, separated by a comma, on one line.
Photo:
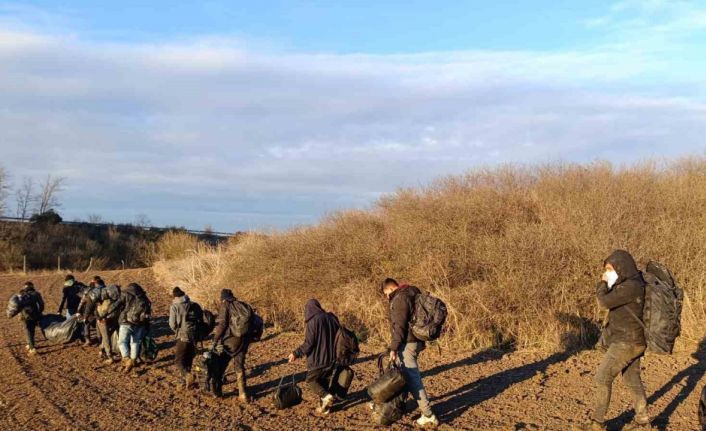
{"points": [[637, 318]]}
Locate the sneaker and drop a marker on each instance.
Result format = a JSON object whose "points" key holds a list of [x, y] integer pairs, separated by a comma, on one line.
{"points": [[326, 404], [591, 426], [27, 347], [32, 352], [427, 421]]}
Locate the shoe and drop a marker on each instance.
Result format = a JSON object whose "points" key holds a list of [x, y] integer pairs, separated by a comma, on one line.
{"points": [[32, 352], [637, 426], [27, 347], [109, 361], [128, 365], [189, 380], [591, 426], [326, 404], [427, 421]]}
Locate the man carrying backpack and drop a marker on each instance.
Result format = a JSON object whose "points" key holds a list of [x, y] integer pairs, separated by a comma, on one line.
{"points": [[135, 313], [621, 291], [71, 296], [87, 311], [184, 319], [231, 335], [107, 318], [31, 312], [319, 347], [405, 347]]}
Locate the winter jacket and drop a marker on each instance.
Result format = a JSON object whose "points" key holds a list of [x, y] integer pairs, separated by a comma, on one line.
{"points": [[177, 320], [319, 345], [71, 297], [232, 345], [401, 310], [34, 305], [625, 301], [87, 308], [123, 305]]}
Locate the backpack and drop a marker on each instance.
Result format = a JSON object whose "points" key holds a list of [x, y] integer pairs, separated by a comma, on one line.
{"points": [[257, 327], [15, 305], [346, 345], [205, 327], [31, 309], [240, 315], [110, 293], [193, 318], [138, 309], [661, 316], [428, 317]]}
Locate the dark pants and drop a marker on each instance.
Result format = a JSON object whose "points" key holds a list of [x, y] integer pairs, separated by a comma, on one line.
{"points": [[222, 365], [30, 326], [622, 359], [184, 356], [106, 329], [87, 329], [318, 380]]}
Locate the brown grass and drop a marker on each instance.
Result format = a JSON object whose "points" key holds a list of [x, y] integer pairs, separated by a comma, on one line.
{"points": [[514, 251]]}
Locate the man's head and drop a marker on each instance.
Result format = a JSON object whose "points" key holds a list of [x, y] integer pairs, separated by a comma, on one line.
{"points": [[98, 281], [388, 286], [69, 280], [28, 286], [177, 292], [227, 295]]}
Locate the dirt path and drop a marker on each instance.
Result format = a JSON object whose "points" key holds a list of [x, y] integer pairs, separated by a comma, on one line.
{"points": [[66, 387]]}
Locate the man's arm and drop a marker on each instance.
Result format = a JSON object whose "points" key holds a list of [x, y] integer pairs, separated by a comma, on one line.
{"points": [[63, 301], [619, 295], [399, 317], [309, 341], [221, 323], [172, 318]]}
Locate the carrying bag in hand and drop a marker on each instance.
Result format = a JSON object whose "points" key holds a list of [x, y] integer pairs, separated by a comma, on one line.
{"points": [[341, 382], [390, 383], [288, 395], [388, 413]]}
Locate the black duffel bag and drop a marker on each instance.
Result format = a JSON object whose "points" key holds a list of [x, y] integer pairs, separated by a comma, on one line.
{"points": [[702, 409], [388, 413], [341, 381], [390, 384], [286, 396]]}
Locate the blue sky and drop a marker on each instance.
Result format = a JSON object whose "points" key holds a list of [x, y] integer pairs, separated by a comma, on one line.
{"points": [[250, 115]]}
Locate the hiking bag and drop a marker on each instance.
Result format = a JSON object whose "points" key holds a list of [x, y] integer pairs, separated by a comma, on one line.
{"points": [[205, 327], [240, 315], [390, 383], [62, 332], [661, 316], [388, 413], [205, 369], [286, 396], [110, 293], [257, 327], [346, 345], [138, 310], [341, 381], [193, 319], [428, 317]]}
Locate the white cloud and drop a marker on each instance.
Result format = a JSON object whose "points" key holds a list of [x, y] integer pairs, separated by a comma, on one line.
{"points": [[184, 130]]}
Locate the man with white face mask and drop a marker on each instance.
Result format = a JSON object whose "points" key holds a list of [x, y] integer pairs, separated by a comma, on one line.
{"points": [[622, 291]]}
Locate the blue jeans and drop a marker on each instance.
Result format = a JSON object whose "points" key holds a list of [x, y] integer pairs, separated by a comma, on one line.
{"points": [[408, 354], [130, 340]]}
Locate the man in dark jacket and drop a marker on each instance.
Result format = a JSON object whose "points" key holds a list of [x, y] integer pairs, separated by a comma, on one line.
{"points": [[87, 311], [33, 307], [229, 346], [185, 332], [107, 321], [135, 313], [621, 291], [319, 347], [71, 297], [405, 347]]}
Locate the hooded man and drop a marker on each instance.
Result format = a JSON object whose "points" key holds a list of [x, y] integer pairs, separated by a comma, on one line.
{"points": [[405, 347], [107, 319], [71, 296], [621, 291], [87, 311], [135, 313], [185, 331], [232, 346], [319, 347], [31, 313]]}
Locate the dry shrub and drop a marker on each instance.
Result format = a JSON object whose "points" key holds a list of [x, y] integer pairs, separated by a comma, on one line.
{"points": [[514, 251]]}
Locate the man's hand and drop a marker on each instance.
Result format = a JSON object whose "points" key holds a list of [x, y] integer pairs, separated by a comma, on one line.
{"points": [[393, 357], [604, 277], [292, 357]]}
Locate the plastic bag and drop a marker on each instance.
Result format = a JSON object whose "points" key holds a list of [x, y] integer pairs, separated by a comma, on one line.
{"points": [[62, 332]]}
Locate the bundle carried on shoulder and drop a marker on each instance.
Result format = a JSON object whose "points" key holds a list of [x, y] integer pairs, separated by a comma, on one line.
{"points": [[15, 305], [389, 384]]}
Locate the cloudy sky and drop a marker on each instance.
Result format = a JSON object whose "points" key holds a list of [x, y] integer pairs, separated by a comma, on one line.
{"points": [[249, 115]]}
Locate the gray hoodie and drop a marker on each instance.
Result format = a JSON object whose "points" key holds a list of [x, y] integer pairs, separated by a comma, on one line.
{"points": [[177, 320]]}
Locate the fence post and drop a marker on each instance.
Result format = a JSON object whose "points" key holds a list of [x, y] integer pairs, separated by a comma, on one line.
{"points": [[24, 263], [58, 263]]}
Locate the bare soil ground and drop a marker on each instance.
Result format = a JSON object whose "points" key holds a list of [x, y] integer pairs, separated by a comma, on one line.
{"points": [[66, 387]]}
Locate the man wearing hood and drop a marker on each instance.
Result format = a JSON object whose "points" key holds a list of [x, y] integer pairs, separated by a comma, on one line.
{"points": [[233, 347], [135, 313], [405, 347], [319, 347], [71, 296], [185, 332], [31, 313], [621, 291]]}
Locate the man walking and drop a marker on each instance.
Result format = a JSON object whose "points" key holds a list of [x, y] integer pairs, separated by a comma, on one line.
{"points": [[184, 317], [405, 347], [135, 313], [71, 296], [31, 313]]}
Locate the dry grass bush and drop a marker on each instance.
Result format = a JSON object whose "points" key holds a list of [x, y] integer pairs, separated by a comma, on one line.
{"points": [[514, 251]]}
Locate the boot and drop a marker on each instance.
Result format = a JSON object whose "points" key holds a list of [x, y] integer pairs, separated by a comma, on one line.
{"points": [[591, 426], [325, 405], [128, 365], [242, 388]]}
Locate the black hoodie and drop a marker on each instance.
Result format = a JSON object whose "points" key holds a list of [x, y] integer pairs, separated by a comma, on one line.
{"points": [[320, 339], [626, 296]]}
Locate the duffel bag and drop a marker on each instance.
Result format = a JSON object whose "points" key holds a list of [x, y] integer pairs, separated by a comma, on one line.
{"points": [[390, 383], [288, 395], [341, 382], [388, 413]]}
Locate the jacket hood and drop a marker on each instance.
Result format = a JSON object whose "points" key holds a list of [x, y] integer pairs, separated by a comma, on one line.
{"points": [[312, 309], [134, 290], [181, 300], [624, 265]]}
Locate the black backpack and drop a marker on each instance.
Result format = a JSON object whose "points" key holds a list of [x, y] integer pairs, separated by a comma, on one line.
{"points": [[346, 344], [31, 306], [257, 327], [428, 317], [240, 316], [138, 309], [193, 318], [661, 316]]}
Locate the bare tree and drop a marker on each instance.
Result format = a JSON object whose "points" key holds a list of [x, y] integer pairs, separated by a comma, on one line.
{"points": [[95, 218], [4, 187], [24, 198], [141, 220], [49, 189]]}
